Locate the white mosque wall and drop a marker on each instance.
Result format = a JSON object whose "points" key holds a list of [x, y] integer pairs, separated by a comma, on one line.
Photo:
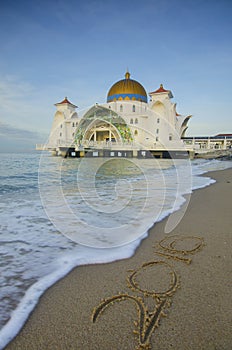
{"points": [[127, 107], [152, 125], [63, 127], [153, 128]]}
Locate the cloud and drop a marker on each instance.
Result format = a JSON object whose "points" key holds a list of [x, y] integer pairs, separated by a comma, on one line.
{"points": [[15, 100], [23, 105], [13, 139], [11, 132], [12, 90]]}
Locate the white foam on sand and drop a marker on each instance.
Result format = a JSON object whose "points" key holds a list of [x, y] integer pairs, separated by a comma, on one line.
{"points": [[86, 255], [65, 265]]}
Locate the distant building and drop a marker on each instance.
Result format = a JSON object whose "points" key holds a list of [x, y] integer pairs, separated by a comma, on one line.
{"points": [[126, 125], [210, 146]]}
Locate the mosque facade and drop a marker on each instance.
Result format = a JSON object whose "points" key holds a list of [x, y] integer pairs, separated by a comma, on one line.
{"points": [[127, 125]]}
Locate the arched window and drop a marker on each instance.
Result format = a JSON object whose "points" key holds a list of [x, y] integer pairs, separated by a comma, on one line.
{"points": [[131, 121], [136, 132], [121, 108], [60, 134], [133, 108], [61, 125], [157, 131], [158, 120], [76, 123], [136, 121], [157, 139], [170, 137], [73, 124]]}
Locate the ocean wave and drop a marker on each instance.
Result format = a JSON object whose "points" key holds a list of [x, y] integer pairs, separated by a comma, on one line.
{"points": [[36, 254]]}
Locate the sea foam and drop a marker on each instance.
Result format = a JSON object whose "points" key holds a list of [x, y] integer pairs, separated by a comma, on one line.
{"points": [[36, 254]]}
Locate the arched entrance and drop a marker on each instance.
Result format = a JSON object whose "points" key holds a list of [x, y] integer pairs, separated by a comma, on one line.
{"points": [[100, 124], [101, 130]]}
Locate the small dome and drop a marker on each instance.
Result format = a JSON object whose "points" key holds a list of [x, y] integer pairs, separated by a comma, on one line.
{"points": [[127, 90]]}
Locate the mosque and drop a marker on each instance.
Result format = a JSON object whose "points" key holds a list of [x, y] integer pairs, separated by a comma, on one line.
{"points": [[127, 125]]}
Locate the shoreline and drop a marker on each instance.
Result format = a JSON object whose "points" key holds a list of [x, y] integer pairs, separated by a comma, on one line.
{"points": [[69, 303]]}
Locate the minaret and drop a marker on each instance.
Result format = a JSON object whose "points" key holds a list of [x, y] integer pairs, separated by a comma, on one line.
{"points": [[65, 107], [160, 94], [64, 124]]}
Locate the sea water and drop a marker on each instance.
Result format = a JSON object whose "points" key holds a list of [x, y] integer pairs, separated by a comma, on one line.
{"points": [[58, 213]]}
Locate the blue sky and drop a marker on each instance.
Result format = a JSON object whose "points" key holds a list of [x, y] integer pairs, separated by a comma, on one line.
{"points": [[52, 49]]}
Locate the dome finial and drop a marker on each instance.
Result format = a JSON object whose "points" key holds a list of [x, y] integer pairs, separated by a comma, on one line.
{"points": [[127, 75]]}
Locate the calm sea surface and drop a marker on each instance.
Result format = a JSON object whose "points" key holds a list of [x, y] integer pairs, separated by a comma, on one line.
{"points": [[58, 213]]}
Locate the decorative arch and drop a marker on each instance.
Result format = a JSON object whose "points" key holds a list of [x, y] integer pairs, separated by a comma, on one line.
{"points": [[103, 124], [58, 118], [102, 131], [74, 115], [184, 126], [159, 108]]}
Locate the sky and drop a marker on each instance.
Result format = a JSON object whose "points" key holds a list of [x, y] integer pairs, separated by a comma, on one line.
{"points": [[55, 48]]}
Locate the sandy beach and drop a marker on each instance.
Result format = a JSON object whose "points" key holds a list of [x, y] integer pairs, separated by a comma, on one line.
{"points": [[174, 293]]}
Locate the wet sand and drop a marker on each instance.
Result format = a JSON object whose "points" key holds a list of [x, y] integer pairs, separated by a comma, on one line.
{"points": [[195, 297]]}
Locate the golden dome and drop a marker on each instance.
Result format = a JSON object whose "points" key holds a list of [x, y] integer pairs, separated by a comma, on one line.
{"points": [[127, 89]]}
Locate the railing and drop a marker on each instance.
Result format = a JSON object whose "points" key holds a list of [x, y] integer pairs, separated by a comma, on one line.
{"points": [[65, 143], [199, 147], [41, 146], [107, 144]]}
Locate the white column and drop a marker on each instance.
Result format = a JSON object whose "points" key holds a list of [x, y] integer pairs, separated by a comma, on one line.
{"points": [[224, 143]]}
